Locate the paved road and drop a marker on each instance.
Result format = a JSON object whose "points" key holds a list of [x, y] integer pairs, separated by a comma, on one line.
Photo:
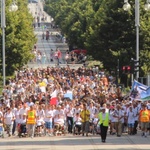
{"points": [[71, 142]]}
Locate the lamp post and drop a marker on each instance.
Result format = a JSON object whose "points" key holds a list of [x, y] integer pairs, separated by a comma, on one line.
{"points": [[127, 7], [13, 7]]}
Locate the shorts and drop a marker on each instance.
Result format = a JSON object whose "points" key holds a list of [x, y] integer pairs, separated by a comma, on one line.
{"points": [[148, 126], [130, 125], [48, 125], [144, 125]]}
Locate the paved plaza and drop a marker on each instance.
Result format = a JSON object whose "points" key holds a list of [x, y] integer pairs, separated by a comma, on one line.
{"points": [[70, 142]]}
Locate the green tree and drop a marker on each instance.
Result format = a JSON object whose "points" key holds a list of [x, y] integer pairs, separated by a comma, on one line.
{"points": [[112, 34], [20, 37], [104, 29]]}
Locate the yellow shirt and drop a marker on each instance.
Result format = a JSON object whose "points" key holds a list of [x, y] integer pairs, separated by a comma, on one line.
{"points": [[85, 115]]}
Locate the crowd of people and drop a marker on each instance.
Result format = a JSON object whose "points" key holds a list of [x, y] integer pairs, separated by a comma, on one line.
{"points": [[35, 103], [41, 58], [56, 57]]}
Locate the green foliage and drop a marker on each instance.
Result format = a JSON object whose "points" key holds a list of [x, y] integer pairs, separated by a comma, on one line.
{"points": [[20, 37], [95, 64], [89, 58], [104, 29]]}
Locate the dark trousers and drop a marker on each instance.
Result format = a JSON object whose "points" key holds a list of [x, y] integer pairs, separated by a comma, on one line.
{"points": [[103, 132], [14, 127], [70, 124], [23, 128], [135, 127]]}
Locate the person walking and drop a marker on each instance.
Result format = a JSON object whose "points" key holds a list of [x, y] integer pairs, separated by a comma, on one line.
{"points": [[47, 35], [9, 118], [131, 120], [51, 55], [49, 120], [118, 115], [39, 57], [43, 36], [67, 57], [144, 118], [136, 113], [31, 121], [85, 116], [70, 113], [43, 58], [14, 109], [104, 123]]}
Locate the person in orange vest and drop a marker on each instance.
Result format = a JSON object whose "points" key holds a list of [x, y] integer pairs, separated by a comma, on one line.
{"points": [[31, 121], [144, 118]]}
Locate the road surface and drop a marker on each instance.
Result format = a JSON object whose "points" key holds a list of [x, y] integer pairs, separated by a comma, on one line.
{"points": [[70, 142]]}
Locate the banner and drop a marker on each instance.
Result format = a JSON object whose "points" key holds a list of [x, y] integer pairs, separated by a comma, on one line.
{"points": [[54, 99], [68, 95], [139, 91]]}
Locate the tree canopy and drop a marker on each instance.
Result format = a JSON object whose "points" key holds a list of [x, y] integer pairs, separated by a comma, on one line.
{"points": [[19, 37], [104, 29]]}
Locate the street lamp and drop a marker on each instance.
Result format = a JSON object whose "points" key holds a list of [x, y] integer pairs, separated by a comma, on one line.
{"points": [[127, 7], [147, 5], [13, 7]]}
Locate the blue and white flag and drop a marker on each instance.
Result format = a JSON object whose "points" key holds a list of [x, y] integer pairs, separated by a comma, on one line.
{"points": [[138, 90], [69, 95], [145, 95]]}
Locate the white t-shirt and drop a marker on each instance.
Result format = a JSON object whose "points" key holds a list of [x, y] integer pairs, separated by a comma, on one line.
{"points": [[23, 111], [30, 104], [41, 114], [7, 102], [95, 121], [14, 110], [48, 115], [118, 113], [123, 114], [70, 112], [131, 118], [1, 115], [17, 113], [77, 111], [112, 119], [92, 112], [40, 122], [22, 121], [136, 111], [59, 112], [59, 121], [77, 120], [8, 118]]}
